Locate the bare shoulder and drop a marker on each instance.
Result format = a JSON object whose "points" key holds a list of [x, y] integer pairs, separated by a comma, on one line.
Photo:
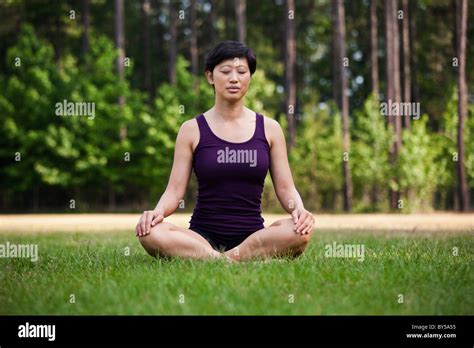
{"points": [[273, 131], [189, 133]]}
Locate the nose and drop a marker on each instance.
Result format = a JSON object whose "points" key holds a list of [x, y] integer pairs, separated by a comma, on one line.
{"points": [[233, 76]]}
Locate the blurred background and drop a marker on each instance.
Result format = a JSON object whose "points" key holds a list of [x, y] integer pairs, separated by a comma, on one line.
{"points": [[324, 70]]}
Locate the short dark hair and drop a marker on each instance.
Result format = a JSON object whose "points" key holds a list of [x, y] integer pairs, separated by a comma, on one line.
{"points": [[229, 50]]}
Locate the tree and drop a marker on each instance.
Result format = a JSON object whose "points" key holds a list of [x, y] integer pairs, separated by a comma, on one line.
{"points": [[393, 89], [85, 26], [213, 20], [342, 100], [173, 51], [120, 44], [406, 58], [146, 49], [290, 81], [194, 45], [461, 28], [241, 22], [120, 37], [374, 65], [413, 52]]}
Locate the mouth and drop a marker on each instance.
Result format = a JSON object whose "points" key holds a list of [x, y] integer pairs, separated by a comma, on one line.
{"points": [[233, 89]]}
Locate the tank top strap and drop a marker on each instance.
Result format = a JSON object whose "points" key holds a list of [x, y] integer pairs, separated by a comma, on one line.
{"points": [[204, 129], [260, 132]]}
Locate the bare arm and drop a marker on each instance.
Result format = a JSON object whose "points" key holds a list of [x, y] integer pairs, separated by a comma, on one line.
{"points": [[177, 182], [280, 172], [180, 172]]}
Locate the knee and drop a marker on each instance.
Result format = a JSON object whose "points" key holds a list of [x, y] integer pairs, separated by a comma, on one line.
{"points": [[299, 239], [157, 239], [305, 238]]}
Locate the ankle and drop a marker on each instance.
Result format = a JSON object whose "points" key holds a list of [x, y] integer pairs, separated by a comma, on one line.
{"points": [[232, 256]]}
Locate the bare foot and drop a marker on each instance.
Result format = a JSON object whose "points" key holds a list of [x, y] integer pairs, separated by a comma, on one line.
{"points": [[228, 258]]}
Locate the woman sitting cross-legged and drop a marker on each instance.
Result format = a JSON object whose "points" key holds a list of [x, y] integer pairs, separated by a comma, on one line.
{"points": [[230, 148]]}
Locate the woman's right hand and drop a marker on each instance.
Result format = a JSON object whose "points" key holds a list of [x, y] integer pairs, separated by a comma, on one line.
{"points": [[148, 219]]}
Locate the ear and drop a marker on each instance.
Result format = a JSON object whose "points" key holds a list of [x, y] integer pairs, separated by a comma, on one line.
{"points": [[209, 77]]}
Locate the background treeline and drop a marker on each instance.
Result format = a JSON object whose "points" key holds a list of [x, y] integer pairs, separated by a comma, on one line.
{"points": [[323, 70]]}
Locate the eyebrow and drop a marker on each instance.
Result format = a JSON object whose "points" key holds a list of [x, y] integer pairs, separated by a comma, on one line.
{"points": [[239, 66]]}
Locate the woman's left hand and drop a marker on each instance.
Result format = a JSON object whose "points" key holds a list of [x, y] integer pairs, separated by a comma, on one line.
{"points": [[303, 220]]}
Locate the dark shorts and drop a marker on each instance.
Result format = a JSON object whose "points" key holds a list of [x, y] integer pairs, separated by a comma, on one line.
{"points": [[218, 243]]}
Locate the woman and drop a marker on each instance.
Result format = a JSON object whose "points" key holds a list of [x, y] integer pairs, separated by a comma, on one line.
{"points": [[230, 148]]}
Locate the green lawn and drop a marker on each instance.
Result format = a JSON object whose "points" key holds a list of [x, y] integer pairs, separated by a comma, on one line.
{"points": [[104, 280]]}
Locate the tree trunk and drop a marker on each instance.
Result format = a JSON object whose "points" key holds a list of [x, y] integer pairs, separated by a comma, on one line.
{"points": [[406, 74], [147, 49], [85, 26], [290, 81], [194, 47], [339, 28], [406, 59], [119, 36], [120, 44], [240, 6], [374, 69], [111, 198], [396, 75], [461, 28], [393, 86], [213, 20], [173, 51], [413, 52], [227, 19], [36, 195]]}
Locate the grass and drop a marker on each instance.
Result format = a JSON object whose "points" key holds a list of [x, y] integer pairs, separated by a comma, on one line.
{"points": [[104, 280]]}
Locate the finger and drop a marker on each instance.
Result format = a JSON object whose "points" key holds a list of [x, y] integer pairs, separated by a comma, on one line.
{"points": [[303, 231], [143, 223], [310, 227], [157, 219], [140, 229], [149, 219], [301, 220], [301, 228], [305, 224], [139, 226]]}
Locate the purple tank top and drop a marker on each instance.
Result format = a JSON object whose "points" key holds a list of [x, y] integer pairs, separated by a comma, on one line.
{"points": [[230, 182]]}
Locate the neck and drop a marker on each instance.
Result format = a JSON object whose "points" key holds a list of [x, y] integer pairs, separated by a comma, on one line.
{"points": [[229, 110]]}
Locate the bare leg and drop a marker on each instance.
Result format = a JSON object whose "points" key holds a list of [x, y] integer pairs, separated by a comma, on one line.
{"points": [[278, 239], [169, 240]]}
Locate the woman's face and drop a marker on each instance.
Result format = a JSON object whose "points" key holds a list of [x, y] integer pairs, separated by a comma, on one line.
{"points": [[231, 78]]}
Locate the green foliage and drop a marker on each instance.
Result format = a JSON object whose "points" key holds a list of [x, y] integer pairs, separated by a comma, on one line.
{"points": [[127, 151], [418, 169], [26, 108], [316, 161], [371, 141], [80, 151], [448, 142], [173, 106]]}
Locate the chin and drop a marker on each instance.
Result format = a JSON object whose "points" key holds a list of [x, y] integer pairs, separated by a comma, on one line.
{"points": [[232, 97]]}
